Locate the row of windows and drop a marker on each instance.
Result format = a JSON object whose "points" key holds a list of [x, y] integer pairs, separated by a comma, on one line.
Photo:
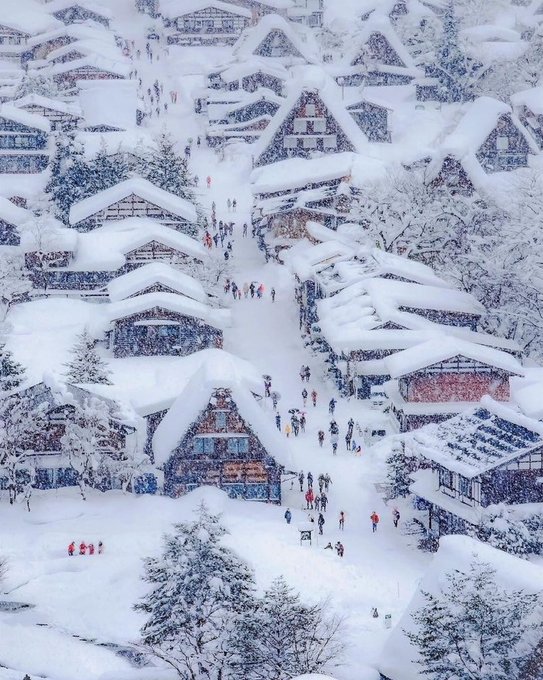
{"points": [[22, 142], [310, 142], [233, 445]]}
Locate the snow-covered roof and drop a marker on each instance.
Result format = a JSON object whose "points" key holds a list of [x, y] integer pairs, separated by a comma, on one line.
{"points": [[178, 8], [109, 102], [301, 40], [219, 372], [119, 68], [479, 118], [47, 235], [313, 258], [329, 93], [532, 99], [398, 659], [173, 302], [383, 25], [31, 120], [12, 214], [150, 274], [55, 6], [47, 103], [26, 16], [139, 187], [441, 349], [89, 46], [481, 439], [105, 248], [239, 69], [77, 31], [295, 173]]}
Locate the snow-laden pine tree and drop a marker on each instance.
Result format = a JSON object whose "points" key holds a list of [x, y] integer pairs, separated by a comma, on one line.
{"points": [[11, 372], [36, 82], [475, 629], [87, 431], [14, 282], [199, 589], [458, 73], [22, 423], [399, 467], [106, 170], [168, 170], [284, 637], [86, 365], [70, 176]]}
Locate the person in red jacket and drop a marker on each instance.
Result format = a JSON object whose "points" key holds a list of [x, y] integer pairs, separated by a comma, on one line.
{"points": [[91, 548], [71, 548], [82, 548], [374, 521], [309, 497]]}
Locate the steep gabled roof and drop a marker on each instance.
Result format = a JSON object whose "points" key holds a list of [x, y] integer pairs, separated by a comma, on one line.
{"points": [[140, 187], [382, 26], [30, 120], [172, 302], [178, 8], [55, 6], [329, 94], [218, 372], [27, 16], [299, 43], [153, 273], [47, 103], [119, 68]]}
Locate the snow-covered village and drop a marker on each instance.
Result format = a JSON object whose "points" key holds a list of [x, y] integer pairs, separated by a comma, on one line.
{"points": [[271, 339]]}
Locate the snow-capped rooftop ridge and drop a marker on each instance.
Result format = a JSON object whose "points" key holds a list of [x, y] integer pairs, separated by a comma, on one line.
{"points": [[440, 349], [220, 371], [153, 273], [33, 99], [138, 186], [32, 120]]}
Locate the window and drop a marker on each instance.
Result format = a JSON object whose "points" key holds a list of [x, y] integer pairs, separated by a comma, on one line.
{"points": [[300, 125], [238, 445], [310, 142], [330, 142], [290, 142], [502, 143], [228, 24], [203, 445], [445, 478], [319, 125], [310, 109], [465, 486], [220, 421]]}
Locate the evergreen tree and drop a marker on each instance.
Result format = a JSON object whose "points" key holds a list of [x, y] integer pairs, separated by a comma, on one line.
{"points": [[473, 629], [200, 587], [14, 282], [36, 82], [22, 424], [167, 170], [70, 178], [398, 470], [87, 431], [106, 171], [458, 74], [11, 372], [87, 366], [284, 638]]}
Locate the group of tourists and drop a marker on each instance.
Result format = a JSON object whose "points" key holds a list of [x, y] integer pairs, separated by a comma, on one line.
{"points": [[85, 548]]}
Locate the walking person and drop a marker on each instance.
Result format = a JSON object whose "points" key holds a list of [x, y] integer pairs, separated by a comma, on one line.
{"points": [[208, 181], [340, 549], [234, 205], [342, 520], [309, 498], [334, 439], [288, 430], [278, 422], [304, 396], [374, 521], [302, 422], [327, 481], [82, 548], [302, 372], [321, 482], [288, 516], [320, 522], [321, 438], [309, 480], [71, 549], [272, 293], [301, 478], [245, 227], [245, 290], [396, 517], [324, 501], [348, 441], [314, 397], [332, 406], [317, 502], [100, 547], [91, 548], [307, 373], [229, 204]]}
